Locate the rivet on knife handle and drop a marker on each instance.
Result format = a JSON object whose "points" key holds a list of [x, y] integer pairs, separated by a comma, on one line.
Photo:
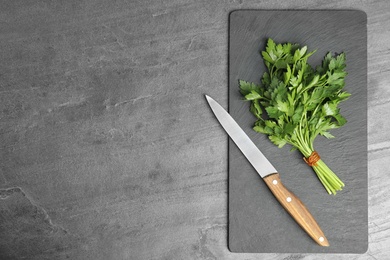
{"points": [[295, 208]]}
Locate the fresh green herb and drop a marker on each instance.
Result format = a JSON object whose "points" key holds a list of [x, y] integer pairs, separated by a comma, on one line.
{"points": [[294, 103]]}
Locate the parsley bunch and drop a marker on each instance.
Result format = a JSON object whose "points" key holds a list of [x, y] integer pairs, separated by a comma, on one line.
{"points": [[294, 103]]}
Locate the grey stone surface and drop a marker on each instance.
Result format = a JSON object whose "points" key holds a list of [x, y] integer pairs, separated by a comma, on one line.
{"points": [[108, 149], [257, 223]]}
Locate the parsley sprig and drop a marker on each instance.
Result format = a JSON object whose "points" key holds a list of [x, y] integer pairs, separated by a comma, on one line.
{"points": [[294, 103]]}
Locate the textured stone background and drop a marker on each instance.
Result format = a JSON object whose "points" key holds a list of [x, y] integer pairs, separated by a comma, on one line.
{"points": [[108, 149]]}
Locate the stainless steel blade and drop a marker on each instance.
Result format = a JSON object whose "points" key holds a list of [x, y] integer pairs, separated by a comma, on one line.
{"points": [[244, 143]]}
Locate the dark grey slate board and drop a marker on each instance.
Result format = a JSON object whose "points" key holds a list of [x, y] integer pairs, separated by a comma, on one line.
{"points": [[257, 223]]}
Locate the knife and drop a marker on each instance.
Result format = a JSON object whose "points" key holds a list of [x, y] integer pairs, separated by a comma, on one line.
{"points": [[268, 173]]}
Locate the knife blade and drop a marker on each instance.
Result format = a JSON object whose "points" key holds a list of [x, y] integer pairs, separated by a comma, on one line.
{"points": [[291, 203]]}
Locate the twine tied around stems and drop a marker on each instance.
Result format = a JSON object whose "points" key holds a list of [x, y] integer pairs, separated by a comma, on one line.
{"points": [[312, 159]]}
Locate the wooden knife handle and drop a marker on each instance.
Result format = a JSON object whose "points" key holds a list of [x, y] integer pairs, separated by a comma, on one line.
{"points": [[296, 209]]}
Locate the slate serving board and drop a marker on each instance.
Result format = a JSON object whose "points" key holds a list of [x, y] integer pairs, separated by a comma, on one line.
{"points": [[257, 223]]}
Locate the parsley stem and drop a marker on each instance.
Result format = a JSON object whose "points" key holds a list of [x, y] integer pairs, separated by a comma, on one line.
{"points": [[328, 178]]}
